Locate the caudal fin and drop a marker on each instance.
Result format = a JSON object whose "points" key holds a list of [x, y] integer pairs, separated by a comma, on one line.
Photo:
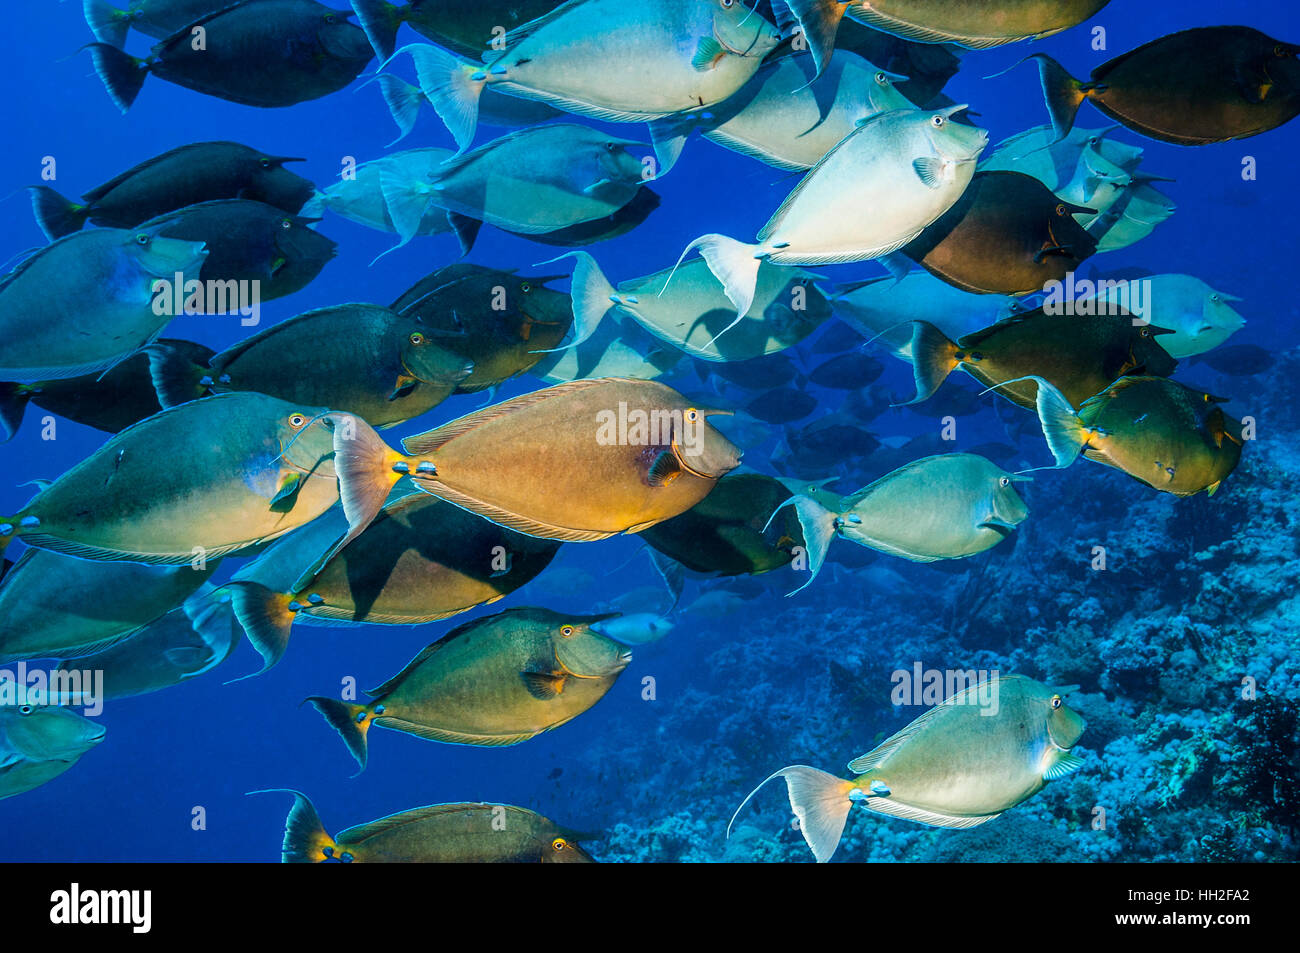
{"points": [[176, 379], [819, 526], [380, 20], [265, 617], [592, 296], [13, 402], [407, 201], [669, 139], [820, 22], [732, 263], [364, 465], [452, 88], [352, 722], [121, 73], [934, 357], [56, 215], [305, 838], [819, 800], [1063, 93], [109, 24], [1065, 433], [404, 101]]}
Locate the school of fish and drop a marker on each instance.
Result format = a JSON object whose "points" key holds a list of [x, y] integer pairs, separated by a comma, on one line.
{"points": [[646, 388]]}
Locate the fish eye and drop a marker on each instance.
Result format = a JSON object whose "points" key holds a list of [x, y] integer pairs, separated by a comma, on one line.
{"points": [[611, 147], [727, 4], [566, 631], [331, 18], [1004, 481], [25, 710], [1056, 701], [286, 223], [1215, 298], [142, 239], [525, 287], [692, 415], [880, 78], [417, 338], [1280, 50], [297, 420], [560, 843], [938, 122], [1145, 333], [264, 162], [1060, 210]]}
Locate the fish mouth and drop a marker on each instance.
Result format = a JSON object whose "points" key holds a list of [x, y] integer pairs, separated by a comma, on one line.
{"points": [[99, 734]]}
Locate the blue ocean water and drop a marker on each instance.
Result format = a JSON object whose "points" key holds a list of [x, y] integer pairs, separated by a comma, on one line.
{"points": [[771, 680]]}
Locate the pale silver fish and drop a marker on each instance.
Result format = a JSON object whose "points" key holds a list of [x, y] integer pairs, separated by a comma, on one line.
{"points": [[58, 606], [1036, 152], [871, 195], [982, 751], [1133, 217], [494, 108], [38, 742], [882, 309], [183, 644], [359, 196], [692, 312], [948, 506], [85, 302], [607, 59], [1200, 317], [617, 348], [787, 116], [531, 181]]}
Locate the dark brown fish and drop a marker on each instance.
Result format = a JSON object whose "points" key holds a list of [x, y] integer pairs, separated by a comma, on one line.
{"points": [[1079, 354], [724, 533], [501, 321], [112, 401], [264, 53], [438, 834], [1008, 234], [193, 173], [1210, 84]]}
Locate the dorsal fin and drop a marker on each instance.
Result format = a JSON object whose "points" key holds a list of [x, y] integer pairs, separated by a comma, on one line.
{"points": [[434, 439]]}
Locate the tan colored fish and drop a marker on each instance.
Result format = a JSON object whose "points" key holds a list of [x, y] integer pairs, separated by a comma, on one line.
{"points": [[422, 559], [578, 462]]}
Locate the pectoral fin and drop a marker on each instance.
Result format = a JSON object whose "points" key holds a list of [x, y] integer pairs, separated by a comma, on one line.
{"points": [[929, 169], [664, 470], [287, 494], [1065, 764], [707, 54], [543, 685]]}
